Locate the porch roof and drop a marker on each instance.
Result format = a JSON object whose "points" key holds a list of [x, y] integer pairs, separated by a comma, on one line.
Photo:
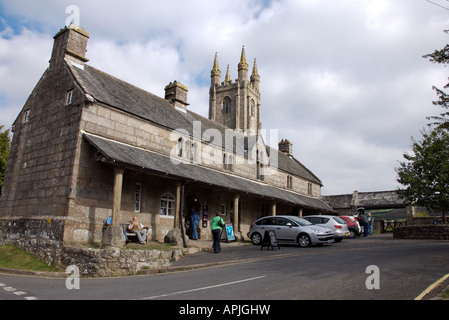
{"points": [[152, 162]]}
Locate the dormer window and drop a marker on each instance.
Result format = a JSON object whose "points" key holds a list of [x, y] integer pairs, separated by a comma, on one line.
{"points": [[69, 98]]}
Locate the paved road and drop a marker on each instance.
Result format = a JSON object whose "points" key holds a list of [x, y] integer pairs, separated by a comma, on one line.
{"points": [[338, 271]]}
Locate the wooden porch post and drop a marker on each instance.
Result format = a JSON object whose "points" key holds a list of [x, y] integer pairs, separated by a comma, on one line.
{"points": [[118, 184], [236, 214]]}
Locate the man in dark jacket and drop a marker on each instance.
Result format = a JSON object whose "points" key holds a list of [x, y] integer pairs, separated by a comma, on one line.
{"points": [[364, 221]]}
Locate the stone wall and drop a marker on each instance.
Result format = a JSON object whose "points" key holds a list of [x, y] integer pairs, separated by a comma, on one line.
{"points": [[436, 232], [43, 238], [40, 237], [115, 261]]}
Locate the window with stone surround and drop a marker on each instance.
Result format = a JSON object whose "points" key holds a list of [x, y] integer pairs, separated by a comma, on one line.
{"points": [[168, 205], [69, 98], [26, 116], [227, 105]]}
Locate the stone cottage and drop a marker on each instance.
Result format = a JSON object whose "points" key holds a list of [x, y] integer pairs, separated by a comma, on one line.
{"points": [[87, 145]]}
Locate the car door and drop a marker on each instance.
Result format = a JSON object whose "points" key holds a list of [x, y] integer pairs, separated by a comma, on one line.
{"points": [[285, 229], [267, 224]]}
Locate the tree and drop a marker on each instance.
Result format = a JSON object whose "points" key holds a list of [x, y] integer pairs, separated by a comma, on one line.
{"points": [[4, 153], [441, 57], [425, 175]]}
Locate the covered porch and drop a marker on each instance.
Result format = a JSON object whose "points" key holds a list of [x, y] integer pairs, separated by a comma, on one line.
{"points": [[162, 193]]}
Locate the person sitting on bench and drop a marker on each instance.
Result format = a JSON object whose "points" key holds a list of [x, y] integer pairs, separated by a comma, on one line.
{"points": [[138, 229]]}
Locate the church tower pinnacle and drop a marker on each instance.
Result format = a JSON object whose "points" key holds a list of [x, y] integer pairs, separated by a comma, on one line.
{"points": [[243, 66], [215, 73], [255, 78], [236, 105]]}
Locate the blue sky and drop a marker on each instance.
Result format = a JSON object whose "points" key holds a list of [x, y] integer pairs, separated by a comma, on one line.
{"points": [[344, 80]]}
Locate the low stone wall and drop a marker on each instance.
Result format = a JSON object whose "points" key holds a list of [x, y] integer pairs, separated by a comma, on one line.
{"points": [[113, 261], [43, 238], [40, 237], [437, 232], [419, 221]]}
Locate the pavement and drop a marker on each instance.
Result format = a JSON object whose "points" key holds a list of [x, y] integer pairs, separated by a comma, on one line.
{"points": [[233, 252]]}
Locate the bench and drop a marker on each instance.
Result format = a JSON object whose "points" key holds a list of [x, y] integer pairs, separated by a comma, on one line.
{"points": [[131, 235]]}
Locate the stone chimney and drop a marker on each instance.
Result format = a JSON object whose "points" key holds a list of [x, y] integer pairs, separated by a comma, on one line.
{"points": [[70, 43], [176, 94], [286, 146]]}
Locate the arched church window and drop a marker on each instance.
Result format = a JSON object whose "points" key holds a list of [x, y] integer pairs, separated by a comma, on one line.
{"points": [[253, 108], [227, 105]]}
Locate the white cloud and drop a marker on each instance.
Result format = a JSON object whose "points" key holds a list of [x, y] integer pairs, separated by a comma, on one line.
{"points": [[345, 81], [23, 60]]}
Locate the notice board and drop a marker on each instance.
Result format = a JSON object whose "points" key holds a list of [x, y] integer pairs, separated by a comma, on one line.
{"points": [[228, 232], [270, 240]]}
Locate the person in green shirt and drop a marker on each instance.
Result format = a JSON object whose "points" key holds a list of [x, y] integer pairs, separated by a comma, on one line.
{"points": [[216, 226]]}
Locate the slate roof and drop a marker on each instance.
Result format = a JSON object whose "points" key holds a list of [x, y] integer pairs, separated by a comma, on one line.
{"points": [[131, 99], [152, 162], [368, 200]]}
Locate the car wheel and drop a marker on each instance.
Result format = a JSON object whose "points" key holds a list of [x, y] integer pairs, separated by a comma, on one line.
{"points": [[304, 240], [352, 234], [256, 238]]}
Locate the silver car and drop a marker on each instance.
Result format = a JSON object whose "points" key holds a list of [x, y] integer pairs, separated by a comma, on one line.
{"points": [[290, 229], [334, 223]]}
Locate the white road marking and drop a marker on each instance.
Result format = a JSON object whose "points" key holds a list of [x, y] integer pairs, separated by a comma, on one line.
{"points": [[9, 289], [203, 288], [16, 292]]}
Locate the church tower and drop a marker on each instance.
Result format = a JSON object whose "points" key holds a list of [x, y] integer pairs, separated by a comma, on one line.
{"points": [[236, 105]]}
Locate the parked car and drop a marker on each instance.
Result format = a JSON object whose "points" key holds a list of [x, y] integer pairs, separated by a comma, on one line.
{"points": [[290, 229], [334, 223], [358, 224], [353, 226]]}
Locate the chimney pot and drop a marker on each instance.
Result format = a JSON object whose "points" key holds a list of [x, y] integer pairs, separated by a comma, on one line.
{"points": [[70, 43], [176, 94], [286, 146]]}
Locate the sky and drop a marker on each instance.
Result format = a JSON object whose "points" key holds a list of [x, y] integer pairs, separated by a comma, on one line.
{"points": [[343, 80]]}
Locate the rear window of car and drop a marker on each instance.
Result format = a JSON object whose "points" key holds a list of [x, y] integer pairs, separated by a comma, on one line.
{"points": [[340, 220]]}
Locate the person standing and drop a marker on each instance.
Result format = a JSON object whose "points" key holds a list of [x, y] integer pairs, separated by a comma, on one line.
{"points": [[364, 222], [195, 219], [370, 222], [216, 227]]}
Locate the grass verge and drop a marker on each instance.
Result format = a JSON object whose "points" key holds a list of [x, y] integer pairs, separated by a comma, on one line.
{"points": [[12, 257]]}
